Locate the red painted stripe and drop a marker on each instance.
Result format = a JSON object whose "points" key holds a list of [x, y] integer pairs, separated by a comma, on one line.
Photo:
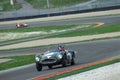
{"points": [[72, 69]]}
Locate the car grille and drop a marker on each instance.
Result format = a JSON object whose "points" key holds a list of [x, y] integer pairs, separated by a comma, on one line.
{"points": [[48, 61]]}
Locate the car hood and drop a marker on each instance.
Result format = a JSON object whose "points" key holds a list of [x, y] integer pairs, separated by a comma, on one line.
{"points": [[50, 55]]}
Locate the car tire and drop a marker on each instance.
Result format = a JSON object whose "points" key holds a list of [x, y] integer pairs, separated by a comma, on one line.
{"points": [[50, 66], [73, 61], [64, 61], [38, 66]]}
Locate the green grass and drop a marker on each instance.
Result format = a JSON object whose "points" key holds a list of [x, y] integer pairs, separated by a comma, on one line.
{"points": [[17, 35], [17, 61], [91, 31], [86, 31], [42, 28], [83, 70], [54, 3], [38, 32], [78, 32], [7, 7]]}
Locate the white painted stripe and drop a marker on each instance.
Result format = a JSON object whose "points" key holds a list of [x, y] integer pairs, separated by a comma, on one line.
{"points": [[110, 72]]}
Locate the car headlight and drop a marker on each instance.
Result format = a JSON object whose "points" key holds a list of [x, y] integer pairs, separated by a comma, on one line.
{"points": [[60, 56], [37, 58]]}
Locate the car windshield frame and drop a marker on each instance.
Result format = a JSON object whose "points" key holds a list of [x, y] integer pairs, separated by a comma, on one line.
{"points": [[51, 51]]}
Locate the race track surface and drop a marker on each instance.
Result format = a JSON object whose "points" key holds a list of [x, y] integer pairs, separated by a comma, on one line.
{"points": [[87, 52], [104, 19]]}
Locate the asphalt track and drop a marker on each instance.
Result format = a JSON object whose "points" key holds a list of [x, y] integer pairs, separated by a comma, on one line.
{"points": [[87, 52], [105, 19]]}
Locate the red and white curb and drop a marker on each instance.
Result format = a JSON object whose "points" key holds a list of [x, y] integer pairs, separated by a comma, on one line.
{"points": [[72, 69]]}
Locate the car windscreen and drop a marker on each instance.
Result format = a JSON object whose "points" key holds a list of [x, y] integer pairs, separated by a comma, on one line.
{"points": [[52, 51]]}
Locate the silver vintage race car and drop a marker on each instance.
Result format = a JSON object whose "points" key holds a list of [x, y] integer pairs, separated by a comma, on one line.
{"points": [[55, 57]]}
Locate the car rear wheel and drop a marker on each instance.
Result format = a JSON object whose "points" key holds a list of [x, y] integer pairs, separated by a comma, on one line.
{"points": [[38, 66], [73, 61], [64, 61]]}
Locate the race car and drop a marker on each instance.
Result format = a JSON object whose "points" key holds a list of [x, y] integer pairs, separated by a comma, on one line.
{"points": [[21, 25], [55, 57]]}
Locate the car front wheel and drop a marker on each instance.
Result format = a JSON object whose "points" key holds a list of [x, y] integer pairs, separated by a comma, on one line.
{"points": [[38, 66], [64, 61]]}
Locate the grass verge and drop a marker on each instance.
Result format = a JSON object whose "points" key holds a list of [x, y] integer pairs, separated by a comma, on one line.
{"points": [[42, 28], [91, 31], [16, 61], [10, 36], [81, 32], [40, 4], [29, 34], [7, 7], [83, 69]]}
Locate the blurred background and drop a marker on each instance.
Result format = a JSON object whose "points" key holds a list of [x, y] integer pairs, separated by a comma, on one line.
{"points": [[23, 8]]}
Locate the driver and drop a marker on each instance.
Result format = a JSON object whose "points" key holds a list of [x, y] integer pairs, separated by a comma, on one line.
{"points": [[61, 48]]}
